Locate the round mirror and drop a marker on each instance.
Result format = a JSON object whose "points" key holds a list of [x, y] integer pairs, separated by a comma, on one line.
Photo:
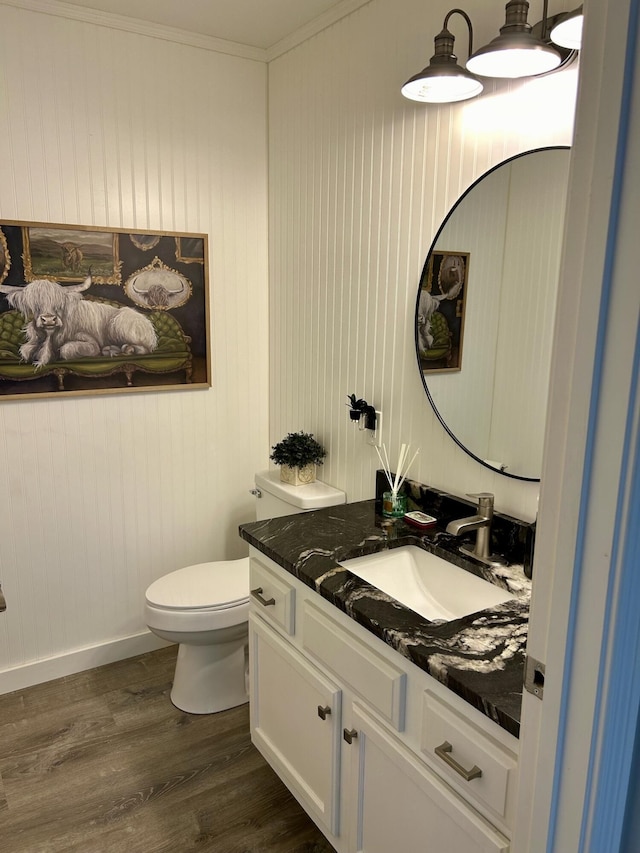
{"points": [[485, 311]]}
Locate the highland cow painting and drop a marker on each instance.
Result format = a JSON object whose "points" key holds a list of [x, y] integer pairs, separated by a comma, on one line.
{"points": [[95, 310], [68, 254]]}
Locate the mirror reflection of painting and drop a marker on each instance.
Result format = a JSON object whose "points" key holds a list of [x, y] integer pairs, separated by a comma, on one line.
{"points": [[440, 315], [5, 259]]}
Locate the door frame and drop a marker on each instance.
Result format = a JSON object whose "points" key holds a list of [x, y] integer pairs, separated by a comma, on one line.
{"points": [[590, 441]]}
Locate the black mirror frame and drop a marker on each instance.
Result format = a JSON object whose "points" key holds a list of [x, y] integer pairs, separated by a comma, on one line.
{"points": [[415, 324]]}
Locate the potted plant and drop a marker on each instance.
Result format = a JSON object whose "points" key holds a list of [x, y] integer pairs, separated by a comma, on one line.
{"points": [[297, 455]]}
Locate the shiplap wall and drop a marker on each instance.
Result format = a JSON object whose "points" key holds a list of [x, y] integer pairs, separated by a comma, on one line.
{"points": [[360, 180], [101, 495]]}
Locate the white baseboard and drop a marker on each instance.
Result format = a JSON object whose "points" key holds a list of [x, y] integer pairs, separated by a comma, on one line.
{"points": [[37, 672]]}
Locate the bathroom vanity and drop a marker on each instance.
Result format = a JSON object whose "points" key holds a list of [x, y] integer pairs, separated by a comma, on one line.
{"points": [[393, 732]]}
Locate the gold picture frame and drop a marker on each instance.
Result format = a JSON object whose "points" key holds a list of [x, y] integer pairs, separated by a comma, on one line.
{"points": [[187, 251], [68, 253], [5, 257]]}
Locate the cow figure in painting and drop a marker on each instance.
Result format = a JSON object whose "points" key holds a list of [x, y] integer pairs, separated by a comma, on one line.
{"points": [[71, 257], [61, 324]]}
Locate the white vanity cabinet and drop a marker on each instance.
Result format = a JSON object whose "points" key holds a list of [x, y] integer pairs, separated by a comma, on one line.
{"points": [[295, 723], [352, 728], [398, 803]]}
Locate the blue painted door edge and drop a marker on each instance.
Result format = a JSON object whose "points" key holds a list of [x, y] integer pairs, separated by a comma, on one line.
{"points": [[609, 816]]}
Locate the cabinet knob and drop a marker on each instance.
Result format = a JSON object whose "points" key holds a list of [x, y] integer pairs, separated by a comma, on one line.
{"points": [[257, 593], [349, 735], [444, 752], [323, 711]]}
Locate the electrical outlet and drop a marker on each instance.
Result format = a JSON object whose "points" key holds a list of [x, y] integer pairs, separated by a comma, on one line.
{"points": [[374, 437]]}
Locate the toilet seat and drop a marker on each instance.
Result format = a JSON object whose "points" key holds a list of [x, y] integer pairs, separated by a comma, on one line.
{"points": [[203, 597], [204, 586]]}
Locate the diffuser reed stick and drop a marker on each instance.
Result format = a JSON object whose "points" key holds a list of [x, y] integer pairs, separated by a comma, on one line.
{"points": [[402, 469]]}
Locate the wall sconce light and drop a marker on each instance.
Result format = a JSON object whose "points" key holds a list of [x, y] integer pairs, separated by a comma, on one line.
{"points": [[516, 52], [519, 51], [567, 32], [443, 80]]}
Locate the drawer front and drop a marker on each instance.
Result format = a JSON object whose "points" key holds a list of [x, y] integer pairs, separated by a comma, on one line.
{"points": [[460, 751], [272, 597], [376, 680]]}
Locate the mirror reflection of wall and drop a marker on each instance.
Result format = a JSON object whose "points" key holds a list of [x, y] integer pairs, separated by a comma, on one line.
{"points": [[511, 224]]}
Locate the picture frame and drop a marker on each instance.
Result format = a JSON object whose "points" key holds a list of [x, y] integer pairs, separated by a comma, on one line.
{"points": [[188, 251], [441, 311], [66, 253], [92, 310]]}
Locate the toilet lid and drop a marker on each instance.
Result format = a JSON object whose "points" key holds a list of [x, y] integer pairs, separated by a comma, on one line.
{"points": [[210, 586]]}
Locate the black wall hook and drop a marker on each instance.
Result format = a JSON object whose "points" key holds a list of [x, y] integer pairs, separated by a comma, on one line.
{"points": [[360, 408]]}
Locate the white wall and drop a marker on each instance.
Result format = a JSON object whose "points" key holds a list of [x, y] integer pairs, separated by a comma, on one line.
{"points": [[101, 495], [360, 180]]}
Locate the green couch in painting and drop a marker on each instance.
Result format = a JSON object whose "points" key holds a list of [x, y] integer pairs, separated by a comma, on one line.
{"points": [[441, 347], [171, 354]]}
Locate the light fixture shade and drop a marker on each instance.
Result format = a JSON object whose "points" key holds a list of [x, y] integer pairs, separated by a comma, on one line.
{"points": [[443, 80], [568, 31], [515, 52], [443, 84]]}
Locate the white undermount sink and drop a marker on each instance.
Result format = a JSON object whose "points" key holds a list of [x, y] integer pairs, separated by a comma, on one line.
{"points": [[426, 583]]}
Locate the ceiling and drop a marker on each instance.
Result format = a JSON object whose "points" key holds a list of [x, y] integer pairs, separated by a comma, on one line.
{"points": [[256, 23]]}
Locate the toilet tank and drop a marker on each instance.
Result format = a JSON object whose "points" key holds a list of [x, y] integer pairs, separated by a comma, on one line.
{"points": [[277, 498]]}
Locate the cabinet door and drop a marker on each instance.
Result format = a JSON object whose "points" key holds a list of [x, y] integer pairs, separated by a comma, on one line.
{"points": [[397, 803], [295, 722]]}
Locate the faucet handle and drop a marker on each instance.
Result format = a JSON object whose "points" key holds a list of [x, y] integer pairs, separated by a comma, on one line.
{"points": [[485, 499]]}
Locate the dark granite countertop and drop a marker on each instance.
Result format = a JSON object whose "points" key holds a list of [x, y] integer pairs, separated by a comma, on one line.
{"points": [[479, 657]]}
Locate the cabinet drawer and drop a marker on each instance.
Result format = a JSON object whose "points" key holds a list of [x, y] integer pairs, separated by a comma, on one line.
{"points": [[379, 682], [458, 747], [272, 597]]}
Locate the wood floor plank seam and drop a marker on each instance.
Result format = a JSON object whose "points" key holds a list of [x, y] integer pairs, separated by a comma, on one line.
{"points": [[102, 762]]}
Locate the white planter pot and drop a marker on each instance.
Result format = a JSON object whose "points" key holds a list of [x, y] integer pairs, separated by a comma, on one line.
{"points": [[298, 476]]}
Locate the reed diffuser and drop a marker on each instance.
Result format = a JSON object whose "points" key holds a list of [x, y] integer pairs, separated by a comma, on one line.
{"points": [[394, 504]]}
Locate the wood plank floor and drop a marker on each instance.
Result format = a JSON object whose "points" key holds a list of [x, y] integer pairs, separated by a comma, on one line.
{"points": [[102, 762]]}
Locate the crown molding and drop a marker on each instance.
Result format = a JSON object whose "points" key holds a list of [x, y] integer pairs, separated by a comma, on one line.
{"points": [[331, 16], [135, 25]]}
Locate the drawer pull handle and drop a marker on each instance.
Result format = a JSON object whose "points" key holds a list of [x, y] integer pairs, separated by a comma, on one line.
{"points": [[323, 712], [443, 751], [266, 602], [349, 735]]}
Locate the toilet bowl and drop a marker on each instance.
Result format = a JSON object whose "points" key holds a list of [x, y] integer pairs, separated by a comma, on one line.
{"points": [[205, 608]]}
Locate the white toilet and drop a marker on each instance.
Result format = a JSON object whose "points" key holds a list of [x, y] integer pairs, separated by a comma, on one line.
{"points": [[205, 608]]}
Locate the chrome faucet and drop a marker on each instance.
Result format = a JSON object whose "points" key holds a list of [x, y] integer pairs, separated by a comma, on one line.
{"points": [[482, 523]]}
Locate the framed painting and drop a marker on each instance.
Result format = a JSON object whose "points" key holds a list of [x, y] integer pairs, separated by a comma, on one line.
{"points": [[441, 310], [88, 310], [188, 251], [67, 254]]}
